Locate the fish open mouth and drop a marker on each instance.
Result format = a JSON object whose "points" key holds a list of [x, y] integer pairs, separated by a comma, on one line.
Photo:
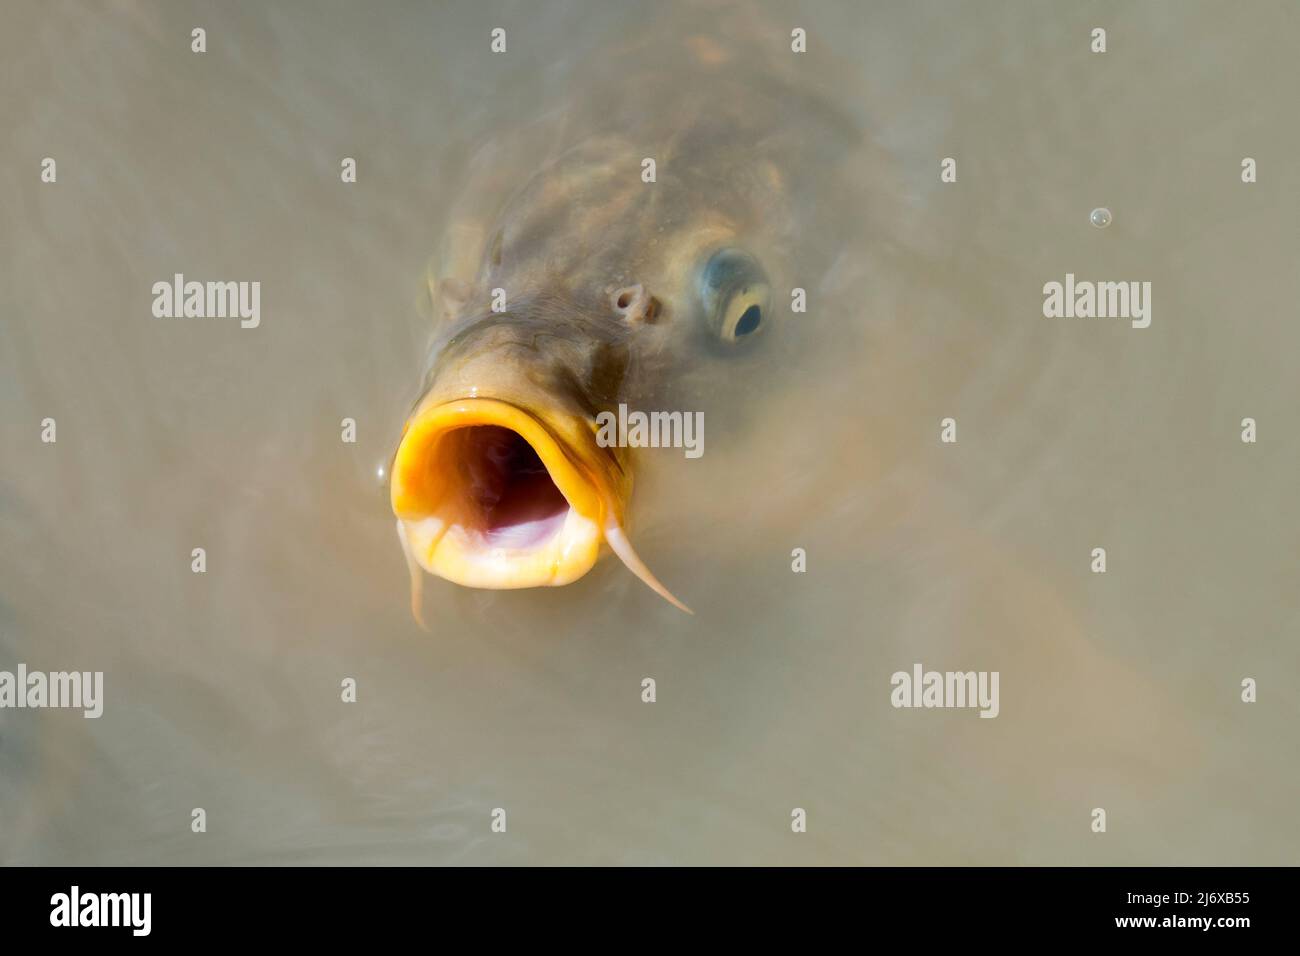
{"points": [[491, 498], [488, 495]]}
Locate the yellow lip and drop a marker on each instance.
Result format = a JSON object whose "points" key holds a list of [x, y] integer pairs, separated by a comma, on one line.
{"points": [[445, 530]]}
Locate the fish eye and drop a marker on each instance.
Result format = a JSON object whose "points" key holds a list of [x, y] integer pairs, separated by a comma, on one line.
{"points": [[734, 293]]}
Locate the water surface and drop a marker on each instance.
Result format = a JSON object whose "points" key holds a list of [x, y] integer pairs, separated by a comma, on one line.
{"points": [[223, 689]]}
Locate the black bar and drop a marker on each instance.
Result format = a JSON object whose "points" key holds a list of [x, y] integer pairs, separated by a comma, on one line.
{"points": [[330, 905]]}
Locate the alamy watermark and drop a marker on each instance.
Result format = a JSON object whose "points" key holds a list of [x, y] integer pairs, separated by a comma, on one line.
{"points": [[1103, 300], [57, 689], [651, 430], [76, 908], [922, 688], [179, 299]]}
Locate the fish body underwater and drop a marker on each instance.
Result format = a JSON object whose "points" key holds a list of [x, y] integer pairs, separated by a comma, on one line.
{"points": [[636, 247]]}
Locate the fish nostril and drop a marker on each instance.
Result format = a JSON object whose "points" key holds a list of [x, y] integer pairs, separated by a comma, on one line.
{"points": [[628, 298], [634, 304]]}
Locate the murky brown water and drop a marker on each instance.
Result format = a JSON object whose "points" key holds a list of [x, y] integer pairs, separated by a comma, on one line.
{"points": [[222, 689]]}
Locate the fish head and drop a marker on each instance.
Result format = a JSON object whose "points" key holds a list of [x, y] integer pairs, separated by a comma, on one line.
{"points": [[500, 478], [594, 289]]}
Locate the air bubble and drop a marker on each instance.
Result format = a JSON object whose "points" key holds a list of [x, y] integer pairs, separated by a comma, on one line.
{"points": [[1100, 217]]}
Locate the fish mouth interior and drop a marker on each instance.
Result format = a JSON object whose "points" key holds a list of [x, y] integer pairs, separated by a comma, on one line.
{"points": [[502, 491]]}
